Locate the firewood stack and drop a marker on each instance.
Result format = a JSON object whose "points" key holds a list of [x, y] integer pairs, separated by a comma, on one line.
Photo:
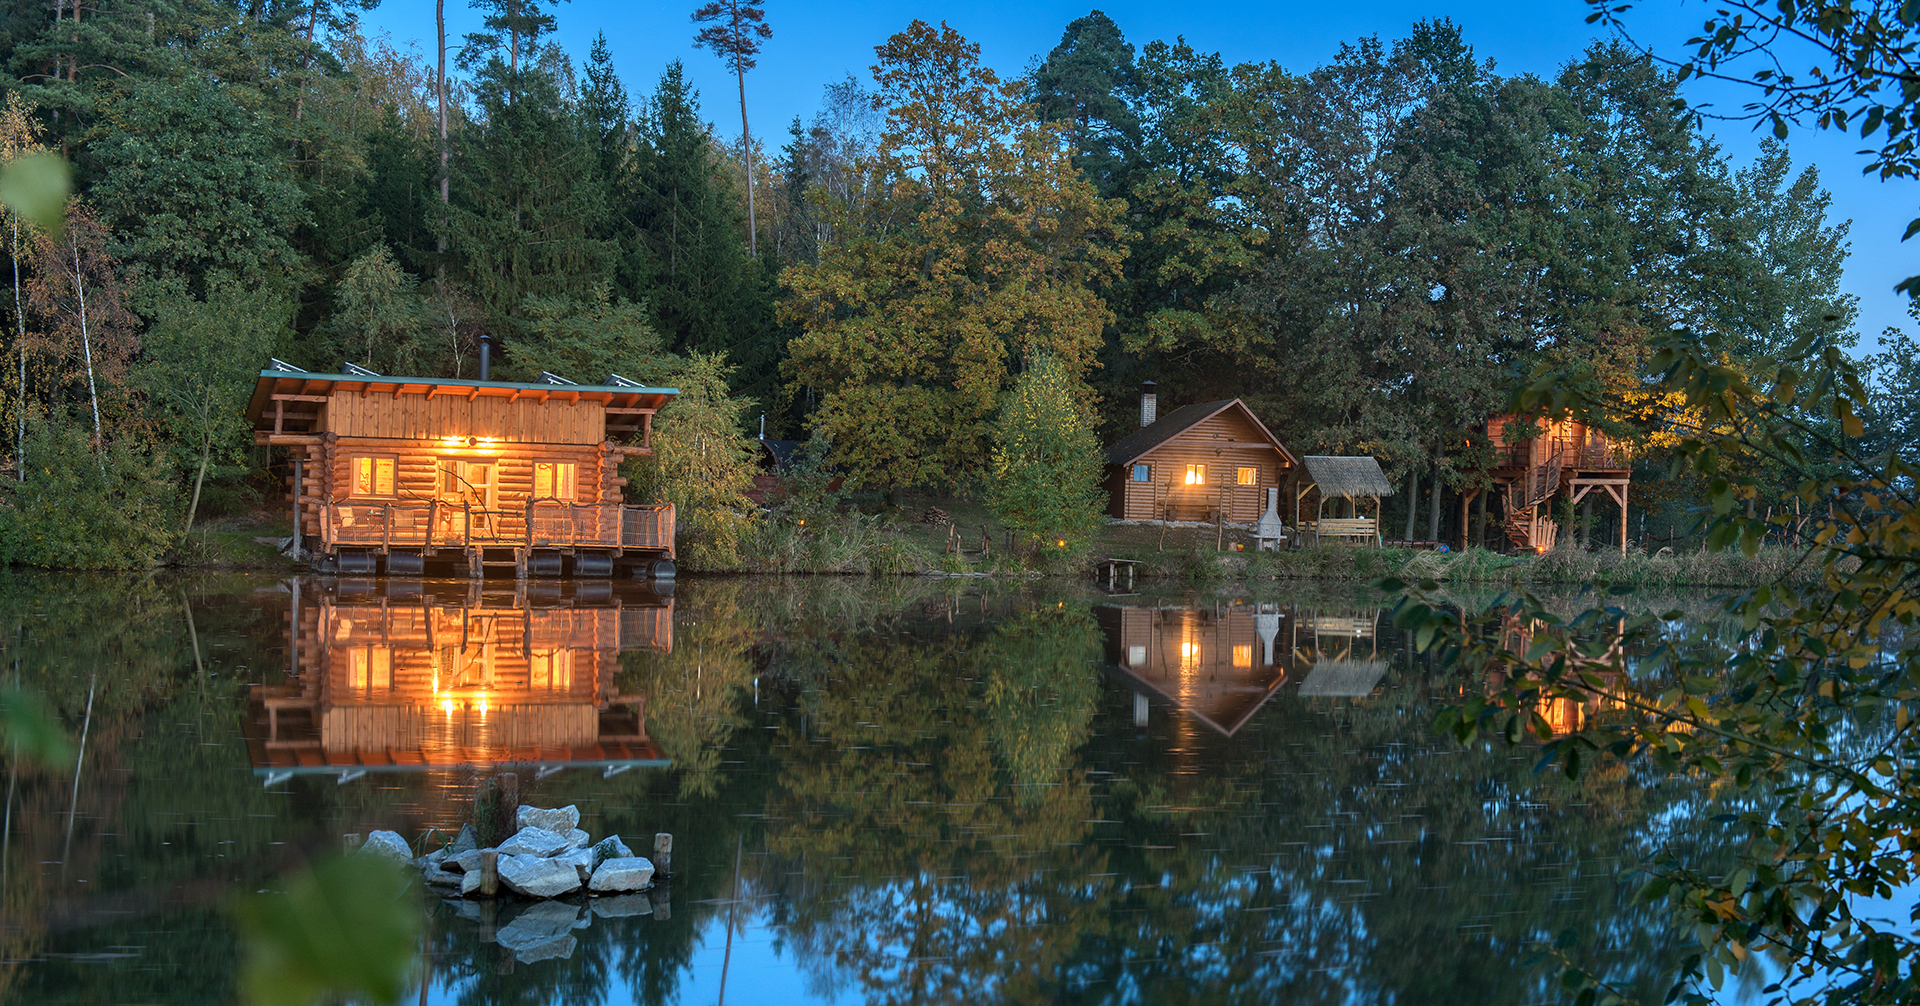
{"points": [[937, 517]]}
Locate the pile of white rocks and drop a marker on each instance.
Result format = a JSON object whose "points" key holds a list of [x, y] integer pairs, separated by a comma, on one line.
{"points": [[547, 858]]}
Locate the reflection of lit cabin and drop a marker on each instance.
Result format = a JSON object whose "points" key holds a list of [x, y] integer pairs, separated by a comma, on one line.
{"points": [[458, 677], [1220, 666], [1564, 458], [1198, 462], [401, 471], [1565, 714]]}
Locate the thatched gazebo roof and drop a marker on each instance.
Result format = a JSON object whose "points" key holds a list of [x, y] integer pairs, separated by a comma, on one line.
{"points": [[1352, 478]]}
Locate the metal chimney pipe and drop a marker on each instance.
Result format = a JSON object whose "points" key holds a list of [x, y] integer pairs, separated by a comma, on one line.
{"points": [[1149, 403], [486, 355]]}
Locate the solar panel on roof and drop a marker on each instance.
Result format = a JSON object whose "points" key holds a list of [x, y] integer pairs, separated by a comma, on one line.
{"points": [[358, 371], [282, 365], [551, 378], [616, 381]]}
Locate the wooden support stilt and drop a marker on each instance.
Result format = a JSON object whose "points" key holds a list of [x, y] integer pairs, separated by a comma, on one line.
{"points": [[489, 873], [663, 854]]}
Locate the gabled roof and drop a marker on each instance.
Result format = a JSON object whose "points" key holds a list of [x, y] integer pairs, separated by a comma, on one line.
{"points": [[1134, 445], [1347, 476]]}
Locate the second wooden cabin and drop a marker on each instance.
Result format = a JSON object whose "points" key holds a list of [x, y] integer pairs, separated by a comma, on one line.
{"points": [[1214, 460]]}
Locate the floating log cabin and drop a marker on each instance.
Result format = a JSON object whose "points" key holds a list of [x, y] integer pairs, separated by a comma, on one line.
{"points": [[395, 674], [395, 473], [1564, 459], [1214, 460]]}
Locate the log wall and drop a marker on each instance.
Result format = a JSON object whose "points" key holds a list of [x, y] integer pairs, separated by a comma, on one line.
{"points": [[1219, 443]]}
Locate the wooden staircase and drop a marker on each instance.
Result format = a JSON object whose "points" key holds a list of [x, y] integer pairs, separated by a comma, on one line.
{"points": [[1525, 525]]}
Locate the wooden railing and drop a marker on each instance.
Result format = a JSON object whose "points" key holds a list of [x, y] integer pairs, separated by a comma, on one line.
{"points": [[540, 524]]}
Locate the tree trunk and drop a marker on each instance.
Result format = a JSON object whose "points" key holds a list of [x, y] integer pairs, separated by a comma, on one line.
{"points": [[746, 149], [20, 338], [1413, 501], [1586, 521], [1480, 517], [86, 345], [206, 454], [1466, 502], [1433, 509]]}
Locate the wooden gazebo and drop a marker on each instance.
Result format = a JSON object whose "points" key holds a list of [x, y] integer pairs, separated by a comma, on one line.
{"points": [[1354, 479]]}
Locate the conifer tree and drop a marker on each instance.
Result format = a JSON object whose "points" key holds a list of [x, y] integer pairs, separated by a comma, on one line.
{"points": [[1043, 481], [734, 30]]}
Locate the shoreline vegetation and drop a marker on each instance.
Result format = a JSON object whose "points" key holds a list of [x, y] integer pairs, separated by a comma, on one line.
{"points": [[856, 544]]}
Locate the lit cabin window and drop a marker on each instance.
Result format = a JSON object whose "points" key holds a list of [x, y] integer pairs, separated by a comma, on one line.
{"points": [[550, 670], [554, 480], [1143, 473], [1243, 655], [1248, 477], [1136, 656], [1196, 475], [373, 476], [372, 668]]}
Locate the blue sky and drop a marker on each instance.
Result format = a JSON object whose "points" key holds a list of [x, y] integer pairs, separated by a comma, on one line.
{"points": [[816, 42]]}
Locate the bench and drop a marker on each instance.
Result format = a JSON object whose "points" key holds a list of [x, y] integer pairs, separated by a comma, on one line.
{"points": [[1359, 530]]}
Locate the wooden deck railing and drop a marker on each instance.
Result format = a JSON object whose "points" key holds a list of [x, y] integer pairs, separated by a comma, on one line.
{"points": [[540, 524]]}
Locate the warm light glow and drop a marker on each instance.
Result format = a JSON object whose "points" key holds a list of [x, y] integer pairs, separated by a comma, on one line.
{"points": [[446, 706], [1188, 651], [1243, 655], [1063, 543]]}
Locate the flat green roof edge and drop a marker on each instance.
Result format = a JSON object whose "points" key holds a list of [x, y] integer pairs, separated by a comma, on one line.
{"points": [[458, 383]]}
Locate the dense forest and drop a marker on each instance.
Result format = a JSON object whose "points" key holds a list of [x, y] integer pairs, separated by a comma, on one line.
{"points": [[1372, 252]]}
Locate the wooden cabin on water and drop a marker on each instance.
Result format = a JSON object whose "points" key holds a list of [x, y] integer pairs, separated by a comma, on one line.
{"points": [[1562, 458], [396, 675], [1214, 460], [394, 473]]}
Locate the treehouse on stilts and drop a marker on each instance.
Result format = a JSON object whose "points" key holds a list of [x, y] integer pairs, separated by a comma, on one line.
{"points": [[1564, 459], [395, 474]]}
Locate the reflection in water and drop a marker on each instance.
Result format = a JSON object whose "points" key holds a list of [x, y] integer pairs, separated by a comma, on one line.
{"points": [[884, 792], [393, 675]]}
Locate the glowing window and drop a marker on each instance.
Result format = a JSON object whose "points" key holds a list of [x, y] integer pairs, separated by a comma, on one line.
{"points": [[1136, 656], [1243, 655], [1248, 477], [373, 476], [1196, 475], [371, 668], [1143, 473], [550, 671], [554, 479]]}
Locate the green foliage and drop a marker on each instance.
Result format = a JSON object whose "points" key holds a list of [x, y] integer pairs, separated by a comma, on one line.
{"points": [[36, 187], [1043, 481], [702, 465], [586, 339], [344, 926], [198, 361], [381, 322], [30, 729], [1807, 710], [82, 509], [992, 244]]}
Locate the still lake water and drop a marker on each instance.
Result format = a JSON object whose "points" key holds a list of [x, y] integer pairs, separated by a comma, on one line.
{"points": [[901, 791]]}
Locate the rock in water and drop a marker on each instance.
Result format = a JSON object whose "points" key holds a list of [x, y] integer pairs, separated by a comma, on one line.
{"points": [[437, 877], [580, 859], [563, 820], [466, 862], [542, 932], [632, 874], [610, 847], [537, 877], [533, 841], [432, 860], [621, 906], [467, 841], [578, 838], [470, 882], [388, 845]]}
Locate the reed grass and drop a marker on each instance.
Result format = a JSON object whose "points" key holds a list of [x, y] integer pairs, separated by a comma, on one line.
{"points": [[1560, 566]]}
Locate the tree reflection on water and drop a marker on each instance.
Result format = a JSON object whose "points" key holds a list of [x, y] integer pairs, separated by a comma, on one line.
{"points": [[942, 795]]}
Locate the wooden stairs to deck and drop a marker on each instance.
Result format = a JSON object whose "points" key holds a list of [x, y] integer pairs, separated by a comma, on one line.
{"points": [[1525, 525]]}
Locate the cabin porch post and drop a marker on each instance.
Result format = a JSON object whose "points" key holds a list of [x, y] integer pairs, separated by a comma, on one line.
{"points": [[298, 466]]}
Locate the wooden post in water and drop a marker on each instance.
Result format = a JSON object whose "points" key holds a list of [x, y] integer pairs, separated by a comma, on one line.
{"points": [[508, 820], [490, 872], [663, 854]]}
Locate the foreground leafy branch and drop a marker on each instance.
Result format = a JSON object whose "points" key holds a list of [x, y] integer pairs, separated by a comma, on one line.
{"points": [[1799, 705]]}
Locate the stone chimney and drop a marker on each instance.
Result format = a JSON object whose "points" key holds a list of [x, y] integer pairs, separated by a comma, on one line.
{"points": [[1149, 404]]}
